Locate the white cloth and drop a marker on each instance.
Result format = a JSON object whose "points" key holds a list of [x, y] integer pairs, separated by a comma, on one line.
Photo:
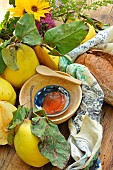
{"points": [[86, 143]]}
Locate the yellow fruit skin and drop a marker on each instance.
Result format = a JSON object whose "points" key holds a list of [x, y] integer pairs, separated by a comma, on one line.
{"points": [[27, 62], [45, 58], [26, 145], [91, 33], [6, 116], [7, 92]]}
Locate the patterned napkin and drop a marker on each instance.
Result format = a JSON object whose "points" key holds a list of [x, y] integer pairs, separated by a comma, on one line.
{"points": [[85, 128]]}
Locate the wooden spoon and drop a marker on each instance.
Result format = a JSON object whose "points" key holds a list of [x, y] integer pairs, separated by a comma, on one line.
{"points": [[43, 70]]}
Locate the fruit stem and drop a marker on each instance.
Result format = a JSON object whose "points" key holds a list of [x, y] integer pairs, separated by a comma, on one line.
{"points": [[44, 45], [31, 103]]}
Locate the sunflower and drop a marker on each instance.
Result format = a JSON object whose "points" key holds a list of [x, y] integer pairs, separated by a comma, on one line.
{"points": [[37, 7], [19, 10]]}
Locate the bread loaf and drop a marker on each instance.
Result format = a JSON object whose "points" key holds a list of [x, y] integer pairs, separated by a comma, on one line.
{"points": [[100, 65]]}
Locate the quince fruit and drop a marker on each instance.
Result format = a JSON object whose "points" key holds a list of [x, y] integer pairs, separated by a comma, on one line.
{"points": [[7, 92], [6, 116], [27, 62], [91, 33], [45, 58], [26, 145]]}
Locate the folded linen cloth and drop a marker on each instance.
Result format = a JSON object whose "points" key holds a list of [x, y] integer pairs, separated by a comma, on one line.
{"points": [[102, 39], [108, 47], [85, 130], [86, 144]]}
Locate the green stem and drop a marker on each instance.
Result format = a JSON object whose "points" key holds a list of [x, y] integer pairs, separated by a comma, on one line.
{"points": [[31, 103], [44, 45]]}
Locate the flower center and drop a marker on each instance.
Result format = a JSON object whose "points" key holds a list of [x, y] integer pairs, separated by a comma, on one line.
{"points": [[34, 8]]}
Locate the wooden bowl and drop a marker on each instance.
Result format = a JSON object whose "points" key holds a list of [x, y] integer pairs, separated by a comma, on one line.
{"points": [[39, 81]]}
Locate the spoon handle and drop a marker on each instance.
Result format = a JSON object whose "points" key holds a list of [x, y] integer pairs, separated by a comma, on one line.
{"points": [[43, 70], [67, 77]]}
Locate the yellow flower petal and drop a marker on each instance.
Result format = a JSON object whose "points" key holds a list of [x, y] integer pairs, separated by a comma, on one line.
{"points": [[17, 12], [19, 3], [37, 7], [44, 5], [37, 16], [43, 12]]}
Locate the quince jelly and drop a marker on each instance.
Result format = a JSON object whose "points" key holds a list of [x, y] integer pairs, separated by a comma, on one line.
{"points": [[54, 102]]}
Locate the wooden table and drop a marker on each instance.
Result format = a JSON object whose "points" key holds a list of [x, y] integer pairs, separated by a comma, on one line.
{"points": [[9, 160]]}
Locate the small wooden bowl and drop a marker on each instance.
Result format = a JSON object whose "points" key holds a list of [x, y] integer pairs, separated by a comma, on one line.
{"points": [[39, 81]]}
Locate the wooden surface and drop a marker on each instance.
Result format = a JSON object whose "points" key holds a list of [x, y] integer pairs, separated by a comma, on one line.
{"points": [[107, 142], [9, 160]]}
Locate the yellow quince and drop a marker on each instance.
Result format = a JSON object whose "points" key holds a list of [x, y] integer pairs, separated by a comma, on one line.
{"points": [[26, 145], [45, 58], [7, 92], [6, 115], [91, 33], [27, 62]]}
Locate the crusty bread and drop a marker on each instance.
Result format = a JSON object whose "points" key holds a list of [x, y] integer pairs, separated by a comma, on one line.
{"points": [[100, 65]]}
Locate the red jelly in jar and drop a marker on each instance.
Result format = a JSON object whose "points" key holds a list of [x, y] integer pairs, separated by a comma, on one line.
{"points": [[54, 102]]}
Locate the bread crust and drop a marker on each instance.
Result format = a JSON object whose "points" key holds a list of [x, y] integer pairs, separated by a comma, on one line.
{"points": [[100, 65]]}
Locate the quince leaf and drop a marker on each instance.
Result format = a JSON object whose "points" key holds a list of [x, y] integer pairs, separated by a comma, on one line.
{"points": [[54, 52], [9, 58], [2, 64], [67, 36], [53, 145], [39, 112], [26, 30], [18, 117]]}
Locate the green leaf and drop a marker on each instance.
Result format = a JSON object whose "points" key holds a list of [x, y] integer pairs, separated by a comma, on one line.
{"points": [[54, 52], [39, 112], [7, 42], [2, 64], [53, 145], [66, 37], [10, 137], [12, 24], [12, 2], [26, 30], [9, 57], [5, 20], [7, 26], [18, 117]]}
